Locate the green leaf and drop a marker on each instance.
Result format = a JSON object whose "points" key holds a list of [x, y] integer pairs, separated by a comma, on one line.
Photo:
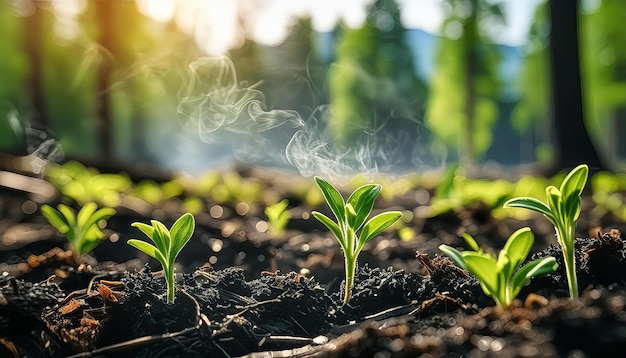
{"points": [[575, 181], [85, 213], [555, 203], [532, 269], [151, 232], [333, 198], [55, 218], [531, 204], [469, 240], [332, 226], [362, 200], [455, 255], [90, 244], [376, 225], [571, 208], [146, 229], [181, 232], [144, 247], [162, 237], [102, 214], [515, 251], [68, 213], [486, 270]]}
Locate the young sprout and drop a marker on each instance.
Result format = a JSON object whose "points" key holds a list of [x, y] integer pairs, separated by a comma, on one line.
{"points": [[168, 243], [278, 217], [562, 210], [351, 216], [499, 277], [82, 231]]}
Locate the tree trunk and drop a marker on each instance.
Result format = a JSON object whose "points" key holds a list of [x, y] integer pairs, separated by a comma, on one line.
{"points": [[572, 145], [470, 41], [106, 39], [34, 48]]}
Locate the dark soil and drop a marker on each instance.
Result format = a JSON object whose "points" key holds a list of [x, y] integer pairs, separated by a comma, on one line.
{"points": [[264, 297]]}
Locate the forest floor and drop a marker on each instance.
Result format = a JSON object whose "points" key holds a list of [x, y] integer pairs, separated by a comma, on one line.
{"points": [[244, 293]]}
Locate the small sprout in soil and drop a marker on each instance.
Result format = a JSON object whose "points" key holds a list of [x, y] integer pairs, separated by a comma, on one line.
{"points": [[168, 243], [562, 209], [278, 216], [351, 216], [498, 277], [82, 230]]}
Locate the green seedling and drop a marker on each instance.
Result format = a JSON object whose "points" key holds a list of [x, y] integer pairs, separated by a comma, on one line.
{"points": [[499, 277], [562, 210], [82, 230], [168, 243], [278, 216], [85, 185], [351, 216]]}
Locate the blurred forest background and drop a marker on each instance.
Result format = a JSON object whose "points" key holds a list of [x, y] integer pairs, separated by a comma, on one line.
{"points": [[192, 84]]}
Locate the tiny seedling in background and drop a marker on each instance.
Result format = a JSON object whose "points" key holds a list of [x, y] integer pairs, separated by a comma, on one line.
{"points": [[168, 243], [278, 216], [499, 277], [82, 230], [562, 210], [351, 216]]}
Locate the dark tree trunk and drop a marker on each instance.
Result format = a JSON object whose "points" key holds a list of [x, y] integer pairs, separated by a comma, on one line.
{"points": [[466, 157], [106, 39], [34, 48], [572, 145]]}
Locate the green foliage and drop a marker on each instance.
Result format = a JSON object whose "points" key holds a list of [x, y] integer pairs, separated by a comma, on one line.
{"points": [[153, 193], [562, 210], [235, 189], [462, 107], [351, 217], [82, 230], [373, 79], [84, 185], [168, 243], [457, 192], [392, 187], [608, 195], [603, 59], [499, 276], [278, 216]]}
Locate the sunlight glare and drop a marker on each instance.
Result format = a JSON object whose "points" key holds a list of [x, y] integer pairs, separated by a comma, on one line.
{"points": [[159, 10], [217, 27]]}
